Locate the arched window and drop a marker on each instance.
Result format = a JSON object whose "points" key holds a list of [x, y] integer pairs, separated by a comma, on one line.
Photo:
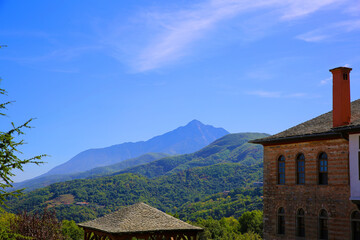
{"points": [[323, 169], [323, 227], [281, 221], [355, 225], [300, 223], [300, 169], [281, 170]]}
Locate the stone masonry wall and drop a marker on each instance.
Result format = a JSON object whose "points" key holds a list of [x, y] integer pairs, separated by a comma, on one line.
{"points": [[334, 197]]}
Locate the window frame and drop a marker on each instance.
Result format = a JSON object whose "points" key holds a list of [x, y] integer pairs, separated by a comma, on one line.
{"points": [[323, 163], [300, 180], [323, 218], [300, 223], [280, 228], [281, 175]]}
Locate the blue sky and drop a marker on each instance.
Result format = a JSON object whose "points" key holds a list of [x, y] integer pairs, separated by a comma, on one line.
{"points": [[99, 73]]}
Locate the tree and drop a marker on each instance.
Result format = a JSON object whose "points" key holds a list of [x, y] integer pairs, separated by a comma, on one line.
{"points": [[224, 229], [7, 221], [71, 231], [251, 222], [9, 149], [39, 226], [9, 161]]}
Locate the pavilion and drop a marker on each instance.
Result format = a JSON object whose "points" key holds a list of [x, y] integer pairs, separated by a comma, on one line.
{"points": [[139, 221]]}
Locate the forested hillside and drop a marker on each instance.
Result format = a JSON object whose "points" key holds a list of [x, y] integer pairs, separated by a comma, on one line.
{"points": [[224, 204], [220, 174], [95, 172], [233, 148]]}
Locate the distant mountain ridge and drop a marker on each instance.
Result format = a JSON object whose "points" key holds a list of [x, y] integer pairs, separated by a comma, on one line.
{"points": [[170, 184], [44, 181], [232, 148], [187, 139]]}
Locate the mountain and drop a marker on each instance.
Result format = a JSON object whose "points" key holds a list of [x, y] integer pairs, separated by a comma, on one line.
{"points": [[44, 181], [171, 184], [228, 149], [186, 139]]}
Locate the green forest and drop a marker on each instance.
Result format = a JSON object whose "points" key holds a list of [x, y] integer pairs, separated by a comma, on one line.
{"points": [[213, 188], [45, 226], [229, 185]]}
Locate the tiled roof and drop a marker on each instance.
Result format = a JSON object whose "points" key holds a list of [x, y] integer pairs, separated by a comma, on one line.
{"points": [[139, 217], [319, 126]]}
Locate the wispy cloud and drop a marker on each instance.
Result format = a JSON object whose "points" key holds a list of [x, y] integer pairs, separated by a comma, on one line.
{"points": [[313, 36], [270, 94], [184, 27], [349, 26], [325, 81], [301, 8], [177, 31], [265, 94], [353, 9], [330, 31]]}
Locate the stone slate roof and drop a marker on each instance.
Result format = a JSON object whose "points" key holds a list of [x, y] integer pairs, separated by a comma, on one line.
{"points": [[139, 217], [320, 126]]}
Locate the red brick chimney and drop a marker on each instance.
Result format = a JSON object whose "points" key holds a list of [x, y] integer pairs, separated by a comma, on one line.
{"points": [[341, 96]]}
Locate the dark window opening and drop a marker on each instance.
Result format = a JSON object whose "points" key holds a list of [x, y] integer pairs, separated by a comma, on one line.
{"points": [[359, 164], [300, 223], [345, 76], [323, 227], [323, 169], [359, 159], [281, 170], [281, 221], [355, 225], [300, 169]]}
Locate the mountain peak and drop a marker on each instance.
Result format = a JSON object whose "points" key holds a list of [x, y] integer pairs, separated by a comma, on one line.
{"points": [[194, 136], [195, 122]]}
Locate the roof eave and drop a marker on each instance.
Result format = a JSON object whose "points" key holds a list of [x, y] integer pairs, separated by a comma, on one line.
{"points": [[195, 229], [298, 138], [334, 133], [348, 128]]}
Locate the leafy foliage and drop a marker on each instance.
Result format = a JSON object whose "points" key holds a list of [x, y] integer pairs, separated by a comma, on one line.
{"points": [[40, 226], [71, 231], [223, 229], [252, 222], [225, 204], [9, 151], [196, 191], [37, 226], [7, 221], [168, 193]]}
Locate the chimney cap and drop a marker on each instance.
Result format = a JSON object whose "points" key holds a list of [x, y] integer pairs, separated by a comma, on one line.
{"points": [[342, 68]]}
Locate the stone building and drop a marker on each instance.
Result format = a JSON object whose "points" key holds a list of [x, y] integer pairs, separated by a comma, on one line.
{"points": [[311, 173]]}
